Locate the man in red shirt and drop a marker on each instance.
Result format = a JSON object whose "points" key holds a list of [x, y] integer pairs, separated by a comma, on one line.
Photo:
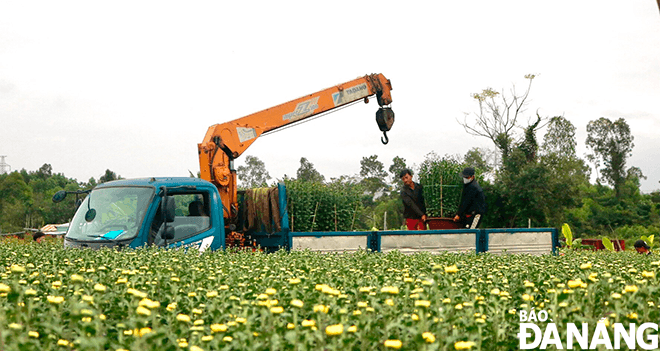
{"points": [[414, 208]]}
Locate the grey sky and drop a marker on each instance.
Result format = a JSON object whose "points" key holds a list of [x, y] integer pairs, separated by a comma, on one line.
{"points": [[133, 86]]}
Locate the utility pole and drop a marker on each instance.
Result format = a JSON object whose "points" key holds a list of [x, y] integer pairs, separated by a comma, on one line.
{"points": [[4, 167]]}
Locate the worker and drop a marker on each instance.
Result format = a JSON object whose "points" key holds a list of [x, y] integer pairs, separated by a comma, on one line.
{"points": [[642, 247], [38, 236], [473, 201], [414, 208]]}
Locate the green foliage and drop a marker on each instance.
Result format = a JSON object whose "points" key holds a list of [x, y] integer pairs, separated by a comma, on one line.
{"points": [[538, 187], [398, 165], [394, 209], [560, 137], [480, 159], [314, 206], [607, 243], [442, 184], [649, 240], [568, 235], [26, 199], [611, 143], [373, 176], [308, 173], [253, 174], [109, 176], [601, 212], [635, 231]]}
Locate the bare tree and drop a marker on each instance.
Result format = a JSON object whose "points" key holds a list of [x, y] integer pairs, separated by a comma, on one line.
{"points": [[498, 115]]}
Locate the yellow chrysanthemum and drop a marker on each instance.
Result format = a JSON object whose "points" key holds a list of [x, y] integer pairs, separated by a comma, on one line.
{"points": [[390, 290], [55, 300], [630, 288], [585, 265], [393, 344], [183, 317], [143, 311], [463, 345], [218, 328], [335, 329], [428, 337], [149, 303], [321, 308], [451, 269]]}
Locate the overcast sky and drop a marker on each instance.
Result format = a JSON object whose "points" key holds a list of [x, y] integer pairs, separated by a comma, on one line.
{"points": [[132, 86]]}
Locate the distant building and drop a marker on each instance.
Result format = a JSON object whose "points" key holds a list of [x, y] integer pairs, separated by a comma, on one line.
{"points": [[4, 167]]}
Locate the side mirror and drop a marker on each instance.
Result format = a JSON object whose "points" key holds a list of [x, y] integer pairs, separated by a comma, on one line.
{"points": [[59, 196], [168, 234], [170, 208]]}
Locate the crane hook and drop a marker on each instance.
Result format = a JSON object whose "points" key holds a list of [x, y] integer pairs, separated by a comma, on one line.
{"points": [[386, 140]]}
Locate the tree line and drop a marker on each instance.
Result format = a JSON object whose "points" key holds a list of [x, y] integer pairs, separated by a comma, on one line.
{"points": [[26, 197]]}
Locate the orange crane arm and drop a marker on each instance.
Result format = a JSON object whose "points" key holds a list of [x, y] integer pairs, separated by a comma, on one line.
{"points": [[226, 141]]}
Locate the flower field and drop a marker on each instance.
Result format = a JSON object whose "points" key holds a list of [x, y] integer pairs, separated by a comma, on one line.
{"points": [[57, 299]]}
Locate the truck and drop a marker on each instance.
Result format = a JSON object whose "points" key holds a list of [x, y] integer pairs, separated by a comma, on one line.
{"points": [[204, 212], [209, 213]]}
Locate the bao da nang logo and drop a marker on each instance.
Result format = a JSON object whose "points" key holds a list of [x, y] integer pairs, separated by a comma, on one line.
{"points": [[538, 331]]}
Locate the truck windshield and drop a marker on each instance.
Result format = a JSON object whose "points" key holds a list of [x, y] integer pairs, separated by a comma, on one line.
{"points": [[119, 212]]}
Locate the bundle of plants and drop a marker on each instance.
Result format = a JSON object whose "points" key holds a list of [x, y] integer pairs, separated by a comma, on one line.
{"points": [[442, 184], [314, 206]]}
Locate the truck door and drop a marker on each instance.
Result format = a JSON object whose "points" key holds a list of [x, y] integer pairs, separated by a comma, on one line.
{"points": [[192, 223]]}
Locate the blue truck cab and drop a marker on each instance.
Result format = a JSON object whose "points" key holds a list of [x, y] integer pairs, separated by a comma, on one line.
{"points": [[166, 212]]}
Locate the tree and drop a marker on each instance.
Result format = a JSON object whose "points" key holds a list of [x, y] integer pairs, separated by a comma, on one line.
{"points": [[560, 137], [44, 172], [15, 198], [611, 143], [307, 173], [539, 184], [253, 174], [498, 116], [481, 159], [108, 176], [373, 175], [91, 183], [398, 165], [529, 146]]}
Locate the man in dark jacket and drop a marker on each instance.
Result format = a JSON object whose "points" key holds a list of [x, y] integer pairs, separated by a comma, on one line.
{"points": [[473, 201], [414, 208]]}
